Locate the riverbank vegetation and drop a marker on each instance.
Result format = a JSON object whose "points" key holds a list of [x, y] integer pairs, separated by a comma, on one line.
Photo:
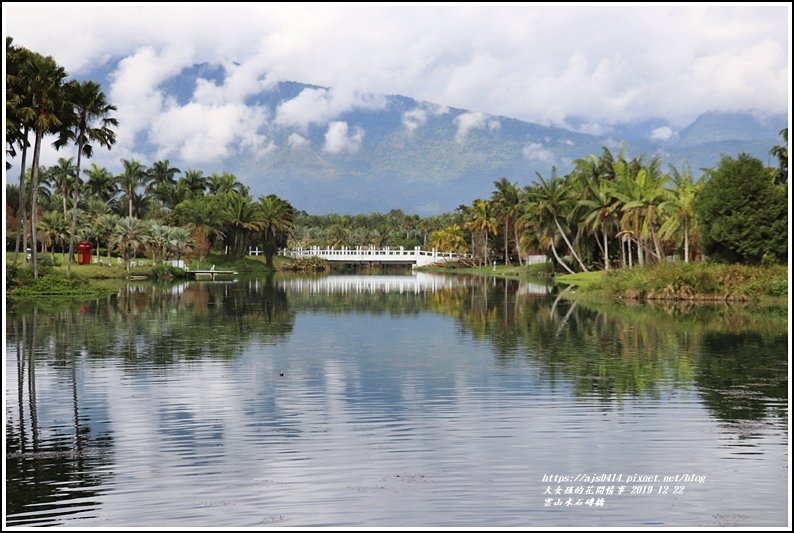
{"points": [[612, 210]]}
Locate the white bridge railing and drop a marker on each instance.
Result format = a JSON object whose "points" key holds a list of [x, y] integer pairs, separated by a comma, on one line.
{"points": [[363, 254]]}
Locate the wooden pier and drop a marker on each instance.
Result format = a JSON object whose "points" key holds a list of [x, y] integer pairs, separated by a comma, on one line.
{"points": [[212, 273]]}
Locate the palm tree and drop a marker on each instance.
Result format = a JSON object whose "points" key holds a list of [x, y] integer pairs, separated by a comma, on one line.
{"points": [[130, 179], [62, 177], [90, 121], [43, 110], [680, 207], [539, 226], [158, 238], [239, 215], [128, 235], [275, 218], [780, 151], [105, 226], [551, 198], [161, 181], [53, 228], [449, 239], [505, 199], [101, 183], [601, 213], [17, 131], [225, 183], [481, 221], [179, 240], [194, 181]]}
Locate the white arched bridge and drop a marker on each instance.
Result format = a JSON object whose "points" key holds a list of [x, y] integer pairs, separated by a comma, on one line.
{"points": [[363, 254]]}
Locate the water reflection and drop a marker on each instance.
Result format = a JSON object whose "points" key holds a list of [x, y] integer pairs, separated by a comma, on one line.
{"points": [[338, 400]]}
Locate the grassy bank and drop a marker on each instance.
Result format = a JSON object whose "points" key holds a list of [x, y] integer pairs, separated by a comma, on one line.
{"points": [[499, 271], [682, 281]]}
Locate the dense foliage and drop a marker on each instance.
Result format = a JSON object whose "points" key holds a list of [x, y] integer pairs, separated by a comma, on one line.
{"points": [[743, 213]]}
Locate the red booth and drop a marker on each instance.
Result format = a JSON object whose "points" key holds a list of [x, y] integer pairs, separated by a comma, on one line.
{"points": [[83, 253]]}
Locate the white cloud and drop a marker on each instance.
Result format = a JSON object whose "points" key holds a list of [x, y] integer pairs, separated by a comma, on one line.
{"points": [[663, 133], [319, 106], [466, 122], [339, 140], [296, 141], [413, 119], [537, 153], [134, 89], [616, 64], [200, 133]]}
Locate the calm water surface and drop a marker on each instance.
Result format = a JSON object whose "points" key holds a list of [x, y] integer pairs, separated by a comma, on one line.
{"points": [[391, 401]]}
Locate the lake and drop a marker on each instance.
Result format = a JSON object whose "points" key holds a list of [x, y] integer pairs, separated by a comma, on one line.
{"points": [[392, 400]]}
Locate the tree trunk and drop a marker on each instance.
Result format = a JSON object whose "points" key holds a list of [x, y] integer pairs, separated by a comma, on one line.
{"points": [[656, 245], [34, 202], [515, 234], [507, 232], [640, 257], [557, 257], [75, 200], [628, 248], [22, 235], [686, 242], [606, 248], [129, 203], [570, 247]]}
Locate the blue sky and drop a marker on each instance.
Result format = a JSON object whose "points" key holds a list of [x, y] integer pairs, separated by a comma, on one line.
{"points": [[547, 64]]}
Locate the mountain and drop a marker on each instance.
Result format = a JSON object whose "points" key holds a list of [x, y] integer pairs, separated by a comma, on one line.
{"points": [[329, 150]]}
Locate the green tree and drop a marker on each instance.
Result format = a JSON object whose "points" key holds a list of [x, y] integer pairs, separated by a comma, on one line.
{"points": [[101, 183], [43, 109], [679, 207], [275, 218], [743, 216], [505, 200], [130, 179], [89, 121], [161, 182], [780, 151]]}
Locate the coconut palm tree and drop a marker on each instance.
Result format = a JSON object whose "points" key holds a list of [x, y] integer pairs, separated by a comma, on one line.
{"points": [[679, 207], [551, 198], [482, 223], [90, 121], [449, 239], [505, 200]]}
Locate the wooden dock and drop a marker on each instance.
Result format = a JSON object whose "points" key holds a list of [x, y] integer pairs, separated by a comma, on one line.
{"points": [[212, 273]]}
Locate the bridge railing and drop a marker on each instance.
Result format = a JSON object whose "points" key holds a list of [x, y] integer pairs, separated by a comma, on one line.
{"points": [[362, 253]]}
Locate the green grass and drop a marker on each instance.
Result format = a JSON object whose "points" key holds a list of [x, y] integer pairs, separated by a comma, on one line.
{"points": [[500, 271], [685, 281], [582, 280]]}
